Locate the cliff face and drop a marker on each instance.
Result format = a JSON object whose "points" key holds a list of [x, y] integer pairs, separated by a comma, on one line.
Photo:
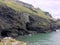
{"points": [[12, 21], [16, 20], [58, 23]]}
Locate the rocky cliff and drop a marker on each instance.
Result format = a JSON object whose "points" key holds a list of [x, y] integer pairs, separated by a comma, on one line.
{"points": [[17, 19]]}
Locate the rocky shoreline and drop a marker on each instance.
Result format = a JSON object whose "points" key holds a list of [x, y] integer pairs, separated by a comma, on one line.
{"points": [[16, 21], [11, 41]]}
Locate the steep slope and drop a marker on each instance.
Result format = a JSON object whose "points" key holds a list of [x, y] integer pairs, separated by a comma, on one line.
{"points": [[16, 19], [18, 7]]}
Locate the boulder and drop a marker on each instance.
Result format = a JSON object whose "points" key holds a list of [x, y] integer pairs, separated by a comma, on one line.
{"points": [[11, 41]]}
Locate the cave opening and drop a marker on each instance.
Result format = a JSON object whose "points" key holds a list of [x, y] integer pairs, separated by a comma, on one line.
{"points": [[5, 33]]}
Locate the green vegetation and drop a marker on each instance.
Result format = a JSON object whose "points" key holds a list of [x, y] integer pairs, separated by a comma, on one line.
{"points": [[21, 8], [58, 23], [1, 43], [21, 19]]}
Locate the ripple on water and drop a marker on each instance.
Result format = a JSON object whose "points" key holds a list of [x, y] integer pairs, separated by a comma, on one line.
{"points": [[43, 39]]}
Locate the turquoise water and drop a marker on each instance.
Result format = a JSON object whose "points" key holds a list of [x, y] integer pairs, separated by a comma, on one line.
{"points": [[52, 38]]}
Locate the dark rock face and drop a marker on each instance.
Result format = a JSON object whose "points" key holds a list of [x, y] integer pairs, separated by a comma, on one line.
{"points": [[13, 23], [58, 23], [40, 25]]}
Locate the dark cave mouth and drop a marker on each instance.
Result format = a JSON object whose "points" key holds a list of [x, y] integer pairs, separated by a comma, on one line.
{"points": [[5, 33]]}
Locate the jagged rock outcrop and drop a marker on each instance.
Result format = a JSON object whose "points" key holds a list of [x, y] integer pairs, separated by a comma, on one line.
{"points": [[58, 23], [18, 20], [12, 21], [41, 25]]}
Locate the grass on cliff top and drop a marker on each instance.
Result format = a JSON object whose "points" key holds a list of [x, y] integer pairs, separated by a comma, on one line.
{"points": [[1, 43], [12, 4]]}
